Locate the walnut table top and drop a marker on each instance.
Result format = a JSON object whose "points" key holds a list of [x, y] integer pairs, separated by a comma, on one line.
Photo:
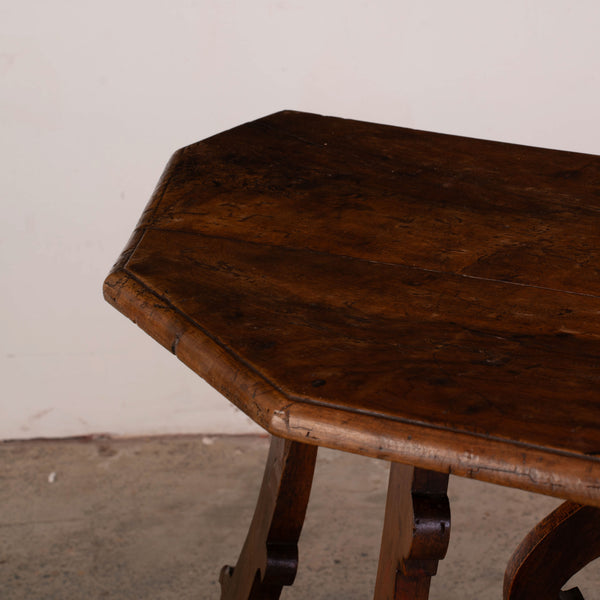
{"points": [[412, 296]]}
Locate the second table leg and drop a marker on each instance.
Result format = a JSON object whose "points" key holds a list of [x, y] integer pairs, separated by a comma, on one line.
{"points": [[416, 533]]}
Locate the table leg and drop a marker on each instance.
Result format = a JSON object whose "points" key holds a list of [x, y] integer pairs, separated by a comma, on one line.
{"points": [[269, 557], [553, 551], [416, 532]]}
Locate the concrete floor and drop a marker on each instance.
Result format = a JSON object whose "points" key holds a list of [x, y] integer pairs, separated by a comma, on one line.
{"points": [[156, 518]]}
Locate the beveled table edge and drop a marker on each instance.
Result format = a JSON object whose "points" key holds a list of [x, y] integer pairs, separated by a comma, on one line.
{"points": [[506, 462]]}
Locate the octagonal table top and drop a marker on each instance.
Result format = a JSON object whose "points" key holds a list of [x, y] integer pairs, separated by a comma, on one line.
{"points": [[413, 296]]}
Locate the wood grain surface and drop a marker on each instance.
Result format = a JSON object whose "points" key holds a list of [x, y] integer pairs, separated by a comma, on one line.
{"points": [[414, 296]]}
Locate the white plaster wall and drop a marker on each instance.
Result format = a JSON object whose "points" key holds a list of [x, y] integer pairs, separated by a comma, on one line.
{"points": [[95, 96]]}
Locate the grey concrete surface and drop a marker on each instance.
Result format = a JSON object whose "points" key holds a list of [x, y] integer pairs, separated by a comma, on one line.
{"points": [[156, 518]]}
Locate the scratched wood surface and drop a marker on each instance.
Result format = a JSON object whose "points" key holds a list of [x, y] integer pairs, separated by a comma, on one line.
{"points": [[414, 296]]}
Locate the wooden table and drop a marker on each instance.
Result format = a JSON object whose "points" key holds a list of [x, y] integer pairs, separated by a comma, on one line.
{"points": [[426, 299]]}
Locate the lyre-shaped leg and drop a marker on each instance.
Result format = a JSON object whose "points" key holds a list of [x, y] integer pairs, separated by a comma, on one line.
{"points": [[553, 551], [416, 533], [269, 557]]}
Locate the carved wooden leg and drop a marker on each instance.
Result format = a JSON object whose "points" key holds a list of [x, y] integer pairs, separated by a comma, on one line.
{"points": [[416, 532], [269, 557], [553, 551]]}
